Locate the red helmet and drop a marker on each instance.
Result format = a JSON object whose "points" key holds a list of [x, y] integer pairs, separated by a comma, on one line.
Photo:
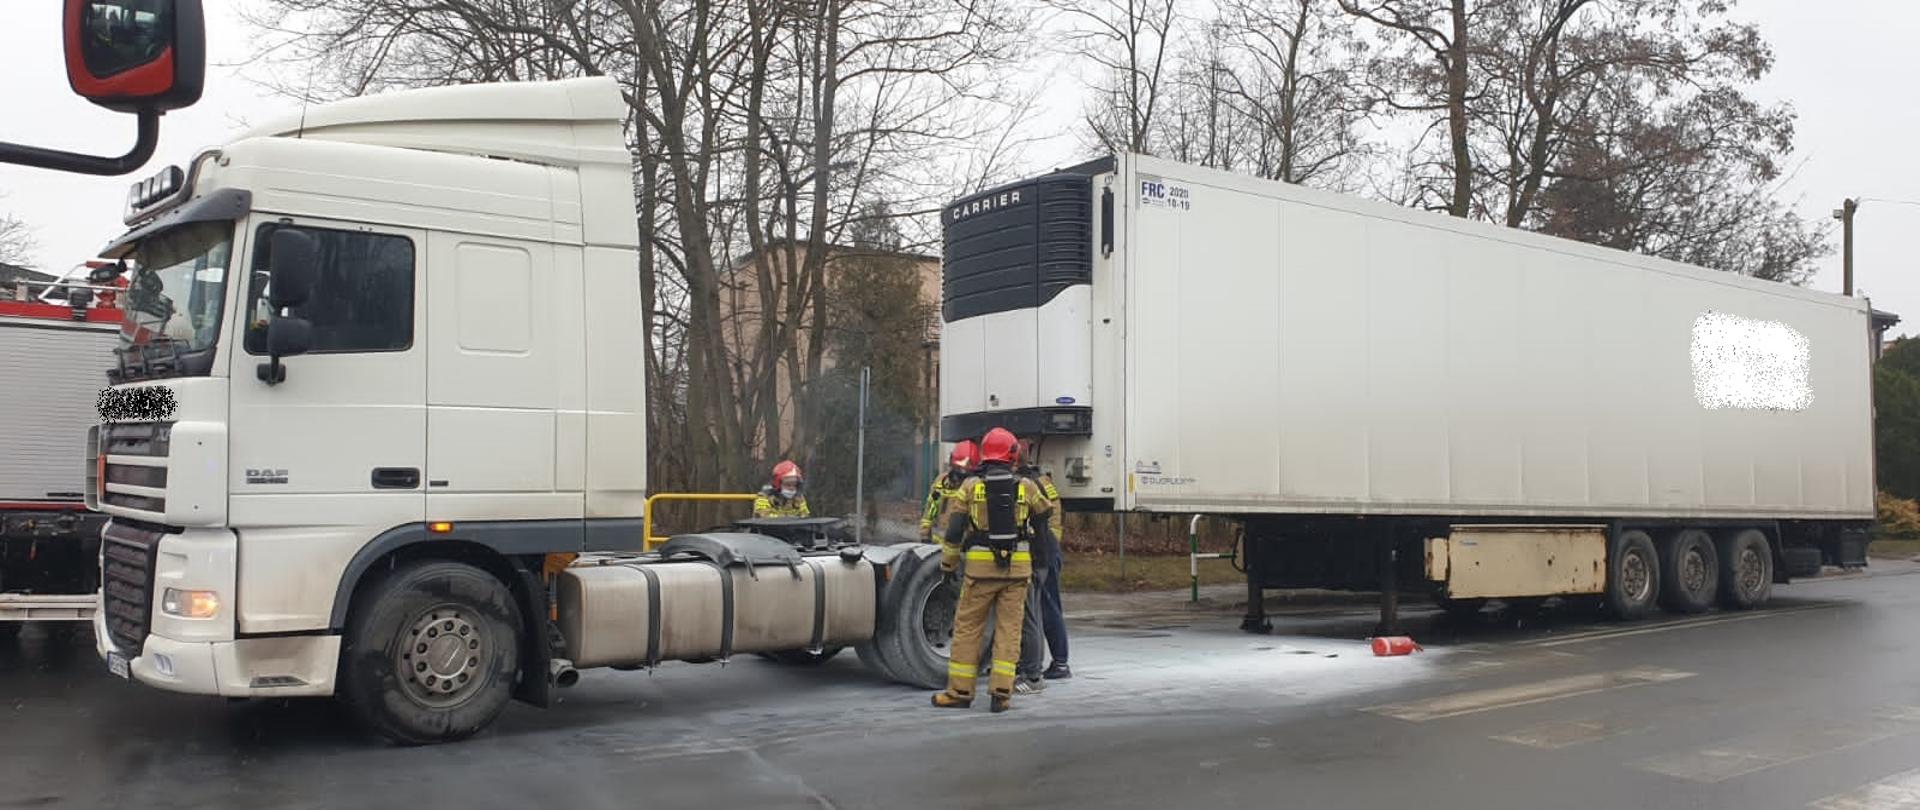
{"points": [[1001, 446], [966, 455], [785, 470]]}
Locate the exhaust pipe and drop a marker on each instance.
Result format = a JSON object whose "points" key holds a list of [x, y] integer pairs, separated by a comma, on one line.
{"points": [[561, 672]]}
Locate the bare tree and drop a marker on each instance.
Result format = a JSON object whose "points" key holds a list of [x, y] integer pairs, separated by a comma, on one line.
{"points": [[17, 241], [1427, 69], [1293, 71], [761, 129], [1128, 42]]}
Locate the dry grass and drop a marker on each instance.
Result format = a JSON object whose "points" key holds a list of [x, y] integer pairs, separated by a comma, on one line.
{"points": [[1097, 571], [1885, 547]]}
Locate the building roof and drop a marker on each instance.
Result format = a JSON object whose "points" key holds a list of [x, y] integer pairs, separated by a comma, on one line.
{"points": [[11, 274]]}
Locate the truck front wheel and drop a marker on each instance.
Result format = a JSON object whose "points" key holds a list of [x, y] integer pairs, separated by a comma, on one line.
{"points": [[430, 653], [1633, 575]]}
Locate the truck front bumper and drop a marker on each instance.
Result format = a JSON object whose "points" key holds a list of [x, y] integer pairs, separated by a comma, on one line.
{"points": [[280, 666]]}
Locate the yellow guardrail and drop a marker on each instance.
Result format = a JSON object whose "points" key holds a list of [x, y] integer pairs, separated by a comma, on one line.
{"points": [[646, 516]]}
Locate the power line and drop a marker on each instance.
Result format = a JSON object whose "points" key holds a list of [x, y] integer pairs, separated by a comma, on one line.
{"points": [[1915, 203]]}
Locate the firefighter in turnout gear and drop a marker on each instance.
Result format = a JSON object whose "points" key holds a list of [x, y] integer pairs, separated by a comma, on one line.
{"points": [[782, 498], [959, 465], [988, 530]]}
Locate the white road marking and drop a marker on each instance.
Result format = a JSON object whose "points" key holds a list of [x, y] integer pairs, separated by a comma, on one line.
{"points": [[1900, 791], [1725, 760], [1564, 733], [1607, 635], [1504, 697]]}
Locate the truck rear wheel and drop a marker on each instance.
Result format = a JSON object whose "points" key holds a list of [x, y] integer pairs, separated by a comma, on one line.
{"points": [[1633, 575], [918, 632], [1691, 572], [1746, 570], [431, 653]]}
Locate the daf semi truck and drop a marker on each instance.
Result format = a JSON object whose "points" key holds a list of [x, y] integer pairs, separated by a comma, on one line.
{"points": [[377, 431], [51, 357], [1385, 398]]}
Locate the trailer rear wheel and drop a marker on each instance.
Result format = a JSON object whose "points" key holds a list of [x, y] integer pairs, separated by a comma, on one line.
{"points": [[918, 632], [1746, 570], [431, 653], [1692, 572], [1633, 575]]}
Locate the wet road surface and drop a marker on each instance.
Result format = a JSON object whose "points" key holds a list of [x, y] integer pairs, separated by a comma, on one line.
{"points": [[1814, 702]]}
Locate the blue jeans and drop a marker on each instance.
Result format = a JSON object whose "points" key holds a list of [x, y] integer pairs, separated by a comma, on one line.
{"points": [[1052, 616], [1033, 643]]}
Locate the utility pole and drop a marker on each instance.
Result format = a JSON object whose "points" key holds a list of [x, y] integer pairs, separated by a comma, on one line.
{"points": [[1845, 214]]}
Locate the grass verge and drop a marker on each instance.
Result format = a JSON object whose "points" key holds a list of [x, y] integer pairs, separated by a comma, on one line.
{"points": [[1100, 572], [1880, 547]]}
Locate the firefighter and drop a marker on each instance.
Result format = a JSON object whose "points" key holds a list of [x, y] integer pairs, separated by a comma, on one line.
{"points": [[959, 464], [782, 498], [988, 527]]}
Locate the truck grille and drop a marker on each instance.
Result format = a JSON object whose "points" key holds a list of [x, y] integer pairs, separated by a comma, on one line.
{"points": [[126, 583], [145, 440]]}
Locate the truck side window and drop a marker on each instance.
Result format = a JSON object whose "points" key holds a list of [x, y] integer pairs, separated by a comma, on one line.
{"points": [[362, 300]]}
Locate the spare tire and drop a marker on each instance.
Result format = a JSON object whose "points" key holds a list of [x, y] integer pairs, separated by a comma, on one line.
{"points": [[916, 627]]}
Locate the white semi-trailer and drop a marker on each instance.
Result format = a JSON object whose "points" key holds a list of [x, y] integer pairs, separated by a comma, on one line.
{"points": [[1379, 394], [378, 431]]}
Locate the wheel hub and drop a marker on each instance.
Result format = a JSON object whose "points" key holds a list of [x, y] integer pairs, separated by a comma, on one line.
{"points": [[936, 618], [1750, 570], [1635, 578], [441, 657], [1693, 571]]}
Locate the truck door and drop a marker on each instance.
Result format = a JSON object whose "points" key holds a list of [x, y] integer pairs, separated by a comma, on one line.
{"points": [[336, 454], [506, 433]]}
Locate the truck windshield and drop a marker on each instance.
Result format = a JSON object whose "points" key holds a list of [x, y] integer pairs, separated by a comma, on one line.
{"points": [[174, 299]]}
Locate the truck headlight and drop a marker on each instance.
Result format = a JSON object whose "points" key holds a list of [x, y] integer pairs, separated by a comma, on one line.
{"points": [[190, 604]]}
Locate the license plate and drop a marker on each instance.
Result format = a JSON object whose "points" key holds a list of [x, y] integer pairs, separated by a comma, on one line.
{"points": [[117, 664]]}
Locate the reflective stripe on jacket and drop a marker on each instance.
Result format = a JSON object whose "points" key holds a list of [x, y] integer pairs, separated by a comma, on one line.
{"points": [[774, 506]]}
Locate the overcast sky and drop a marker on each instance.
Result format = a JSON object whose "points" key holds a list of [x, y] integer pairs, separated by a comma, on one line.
{"points": [[1846, 65]]}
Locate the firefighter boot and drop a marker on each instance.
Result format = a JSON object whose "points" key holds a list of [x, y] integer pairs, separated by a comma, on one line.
{"points": [[1001, 703], [948, 700]]}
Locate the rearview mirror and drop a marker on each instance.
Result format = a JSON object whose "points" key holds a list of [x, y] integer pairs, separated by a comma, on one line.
{"points": [[136, 55], [294, 262]]}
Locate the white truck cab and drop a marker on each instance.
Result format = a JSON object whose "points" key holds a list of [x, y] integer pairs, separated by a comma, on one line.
{"points": [[472, 371], [381, 398]]}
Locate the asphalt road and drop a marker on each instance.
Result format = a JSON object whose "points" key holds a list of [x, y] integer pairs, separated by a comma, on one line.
{"points": [[1812, 703]]}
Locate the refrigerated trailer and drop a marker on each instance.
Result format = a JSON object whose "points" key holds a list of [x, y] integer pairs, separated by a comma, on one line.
{"points": [[378, 431], [51, 362], [1381, 396]]}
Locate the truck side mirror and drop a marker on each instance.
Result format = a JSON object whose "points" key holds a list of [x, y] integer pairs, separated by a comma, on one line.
{"points": [[288, 336], [136, 56], [295, 263]]}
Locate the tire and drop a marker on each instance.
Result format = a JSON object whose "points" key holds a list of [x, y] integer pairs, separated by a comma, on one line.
{"points": [[1746, 570], [1633, 576], [1691, 572], [411, 619], [918, 629], [803, 658]]}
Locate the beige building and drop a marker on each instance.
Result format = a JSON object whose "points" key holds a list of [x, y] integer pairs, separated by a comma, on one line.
{"points": [[744, 314]]}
